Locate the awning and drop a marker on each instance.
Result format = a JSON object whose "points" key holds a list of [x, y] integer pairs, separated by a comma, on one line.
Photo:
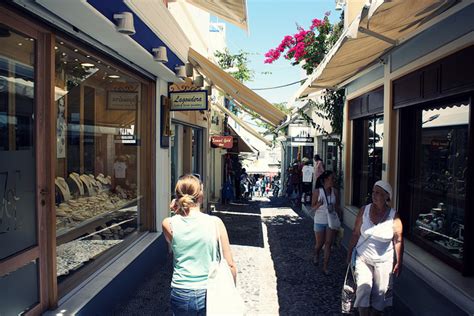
{"points": [[243, 124], [233, 11], [242, 145], [236, 90], [380, 26]]}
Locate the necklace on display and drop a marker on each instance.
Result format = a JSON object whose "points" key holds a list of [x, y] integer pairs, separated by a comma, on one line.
{"points": [[63, 187], [75, 177], [87, 181]]}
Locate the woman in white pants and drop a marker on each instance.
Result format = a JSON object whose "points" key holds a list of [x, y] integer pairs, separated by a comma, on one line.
{"points": [[377, 244]]}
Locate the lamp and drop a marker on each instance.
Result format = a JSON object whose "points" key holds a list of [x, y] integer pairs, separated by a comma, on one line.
{"points": [[209, 90], [180, 71], [125, 23], [160, 54], [189, 69], [340, 4], [199, 81]]}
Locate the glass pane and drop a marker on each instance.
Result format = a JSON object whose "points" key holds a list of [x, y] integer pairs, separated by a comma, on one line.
{"points": [[19, 290], [439, 184], [368, 150], [17, 151], [98, 154]]}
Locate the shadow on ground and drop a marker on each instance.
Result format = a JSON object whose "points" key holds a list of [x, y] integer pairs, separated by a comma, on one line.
{"points": [[243, 223], [302, 287]]}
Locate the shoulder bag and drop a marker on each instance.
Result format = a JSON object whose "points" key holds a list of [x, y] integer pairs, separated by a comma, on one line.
{"points": [[222, 296], [333, 219]]}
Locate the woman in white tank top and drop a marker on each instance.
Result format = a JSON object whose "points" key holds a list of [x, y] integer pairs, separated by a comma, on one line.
{"points": [[324, 201], [376, 240]]}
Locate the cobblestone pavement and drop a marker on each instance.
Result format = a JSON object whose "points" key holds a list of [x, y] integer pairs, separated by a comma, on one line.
{"points": [[272, 246]]}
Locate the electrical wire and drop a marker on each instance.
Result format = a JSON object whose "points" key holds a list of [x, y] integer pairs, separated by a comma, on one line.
{"points": [[282, 86]]}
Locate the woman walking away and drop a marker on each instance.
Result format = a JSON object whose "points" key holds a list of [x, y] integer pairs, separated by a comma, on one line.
{"points": [[377, 235], [325, 200], [318, 168], [190, 234]]}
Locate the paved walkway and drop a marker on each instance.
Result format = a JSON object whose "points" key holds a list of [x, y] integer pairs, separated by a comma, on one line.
{"points": [[272, 246]]}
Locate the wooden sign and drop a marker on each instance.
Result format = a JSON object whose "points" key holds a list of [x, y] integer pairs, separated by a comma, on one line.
{"points": [[188, 100], [222, 141]]}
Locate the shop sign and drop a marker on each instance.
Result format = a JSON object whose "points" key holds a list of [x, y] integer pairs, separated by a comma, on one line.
{"points": [[222, 141], [188, 100], [125, 139], [439, 143], [125, 101], [302, 139]]}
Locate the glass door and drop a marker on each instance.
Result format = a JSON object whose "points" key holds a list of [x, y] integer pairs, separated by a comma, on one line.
{"points": [[24, 150]]}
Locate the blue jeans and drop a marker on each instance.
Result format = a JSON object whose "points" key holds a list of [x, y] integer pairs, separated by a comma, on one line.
{"points": [[186, 302]]}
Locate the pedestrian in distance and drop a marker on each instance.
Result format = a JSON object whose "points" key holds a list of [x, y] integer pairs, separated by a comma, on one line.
{"points": [[189, 234], [325, 200], [318, 166], [377, 238]]}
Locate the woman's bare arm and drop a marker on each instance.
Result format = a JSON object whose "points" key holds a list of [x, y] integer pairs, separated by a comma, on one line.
{"points": [[166, 227], [355, 234], [226, 249], [398, 244], [315, 203]]}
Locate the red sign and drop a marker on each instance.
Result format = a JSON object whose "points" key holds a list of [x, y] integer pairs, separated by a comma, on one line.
{"points": [[222, 141]]}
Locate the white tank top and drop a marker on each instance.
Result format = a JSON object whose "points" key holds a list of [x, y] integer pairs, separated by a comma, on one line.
{"points": [[379, 246], [321, 214]]}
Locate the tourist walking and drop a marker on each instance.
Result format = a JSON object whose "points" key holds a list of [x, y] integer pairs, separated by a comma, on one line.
{"points": [[318, 166], [193, 245], [376, 238], [325, 202]]}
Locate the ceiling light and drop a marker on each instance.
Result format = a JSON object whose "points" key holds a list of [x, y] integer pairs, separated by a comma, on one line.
{"points": [[75, 49], [114, 76], [180, 72], [87, 65], [160, 54], [125, 23]]}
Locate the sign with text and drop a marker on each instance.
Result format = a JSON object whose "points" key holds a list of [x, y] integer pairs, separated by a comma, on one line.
{"points": [[188, 100], [222, 141], [122, 100], [302, 139]]}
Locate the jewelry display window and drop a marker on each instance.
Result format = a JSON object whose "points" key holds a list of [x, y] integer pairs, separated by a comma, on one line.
{"points": [[98, 154], [437, 183], [434, 177]]}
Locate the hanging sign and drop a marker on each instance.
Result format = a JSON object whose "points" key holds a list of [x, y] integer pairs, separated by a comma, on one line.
{"points": [[222, 141], [188, 100], [302, 139]]}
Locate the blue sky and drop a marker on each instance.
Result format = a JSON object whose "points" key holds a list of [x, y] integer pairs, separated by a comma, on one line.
{"points": [[270, 21]]}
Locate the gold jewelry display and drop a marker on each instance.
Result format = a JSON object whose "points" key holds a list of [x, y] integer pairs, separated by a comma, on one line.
{"points": [[75, 177], [88, 182], [63, 187]]}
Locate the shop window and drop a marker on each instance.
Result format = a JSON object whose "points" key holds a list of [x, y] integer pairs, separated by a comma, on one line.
{"points": [[367, 157], [99, 150], [18, 226], [433, 178]]}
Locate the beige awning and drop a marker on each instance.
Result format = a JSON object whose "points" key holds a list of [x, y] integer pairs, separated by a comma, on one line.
{"points": [[380, 26], [243, 124], [242, 145], [236, 90], [233, 11]]}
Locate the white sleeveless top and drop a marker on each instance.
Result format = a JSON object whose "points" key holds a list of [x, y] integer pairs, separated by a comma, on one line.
{"points": [[321, 214], [379, 246]]}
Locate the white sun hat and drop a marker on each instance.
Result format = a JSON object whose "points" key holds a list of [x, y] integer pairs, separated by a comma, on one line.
{"points": [[385, 186]]}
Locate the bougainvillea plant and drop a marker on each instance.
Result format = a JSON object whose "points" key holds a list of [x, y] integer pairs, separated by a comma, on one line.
{"points": [[307, 47]]}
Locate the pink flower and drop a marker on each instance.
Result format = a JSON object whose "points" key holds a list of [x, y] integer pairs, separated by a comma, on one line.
{"points": [[316, 23]]}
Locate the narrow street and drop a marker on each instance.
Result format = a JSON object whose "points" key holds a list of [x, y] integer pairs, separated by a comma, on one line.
{"points": [[272, 245]]}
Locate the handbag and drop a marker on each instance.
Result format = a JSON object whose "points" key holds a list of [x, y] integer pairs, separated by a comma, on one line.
{"points": [[333, 219], [222, 296], [348, 291]]}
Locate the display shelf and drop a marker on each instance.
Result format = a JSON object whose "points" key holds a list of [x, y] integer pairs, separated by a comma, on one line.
{"points": [[67, 234]]}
